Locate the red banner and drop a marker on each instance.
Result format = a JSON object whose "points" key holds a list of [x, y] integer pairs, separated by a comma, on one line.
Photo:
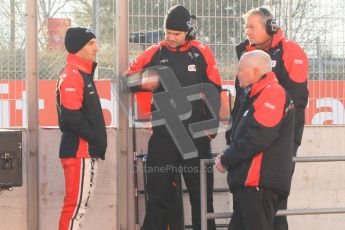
{"points": [[325, 107]]}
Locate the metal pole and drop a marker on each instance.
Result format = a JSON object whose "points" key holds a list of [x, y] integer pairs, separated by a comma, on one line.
{"points": [[290, 212], [289, 22], [95, 17], [13, 28], [203, 193], [303, 159], [125, 176], [220, 215], [135, 163], [32, 90], [313, 211], [319, 59], [319, 159], [95, 27]]}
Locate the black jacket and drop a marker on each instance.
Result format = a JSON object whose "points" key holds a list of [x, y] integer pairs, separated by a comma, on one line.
{"points": [[80, 113], [261, 150], [192, 64]]}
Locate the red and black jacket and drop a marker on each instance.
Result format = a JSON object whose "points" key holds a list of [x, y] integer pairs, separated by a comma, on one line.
{"points": [[79, 109], [192, 63], [261, 150], [290, 65]]}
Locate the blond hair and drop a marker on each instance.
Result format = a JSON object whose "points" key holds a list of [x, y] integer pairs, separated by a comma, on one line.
{"points": [[262, 11]]}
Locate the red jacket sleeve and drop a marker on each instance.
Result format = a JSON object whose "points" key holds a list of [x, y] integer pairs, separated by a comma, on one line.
{"points": [[212, 69], [71, 89], [295, 61], [143, 98], [143, 59], [296, 64]]}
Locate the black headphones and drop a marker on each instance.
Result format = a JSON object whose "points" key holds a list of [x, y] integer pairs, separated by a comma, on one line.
{"points": [[270, 22], [192, 28]]}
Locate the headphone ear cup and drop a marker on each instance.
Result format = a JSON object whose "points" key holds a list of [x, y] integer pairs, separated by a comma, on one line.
{"points": [[193, 28], [271, 26], [270, 21]]}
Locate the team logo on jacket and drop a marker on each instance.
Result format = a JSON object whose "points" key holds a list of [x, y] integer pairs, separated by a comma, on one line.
{"points": [[192, 68], [270, 106], [193, 55], [164, 61], [70, 90], [273, 63], [246, 113], [298, 61]]}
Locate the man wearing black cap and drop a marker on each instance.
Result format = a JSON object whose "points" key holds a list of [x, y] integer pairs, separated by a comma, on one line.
{"points": [[81, 121], [193, 64]]}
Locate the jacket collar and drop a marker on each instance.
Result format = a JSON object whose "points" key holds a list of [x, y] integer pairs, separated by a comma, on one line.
{"points": [[81, 64], [277, 37], [186, 46], [266, 80]]}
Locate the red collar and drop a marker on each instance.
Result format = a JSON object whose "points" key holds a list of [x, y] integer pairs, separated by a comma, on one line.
{"points": [[80, 63], [267, 79], [277, 38]]}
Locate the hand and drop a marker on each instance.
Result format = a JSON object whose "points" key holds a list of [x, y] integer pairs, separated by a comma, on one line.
{"points": [[219, 164], [149, 80], [210, 135]]}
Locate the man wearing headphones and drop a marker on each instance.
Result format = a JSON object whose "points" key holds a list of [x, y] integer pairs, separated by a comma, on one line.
{"points": [[290, 65], [193, 64]]}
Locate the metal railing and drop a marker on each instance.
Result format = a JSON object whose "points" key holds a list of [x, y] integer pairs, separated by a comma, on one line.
{"points": [[313, 211]]}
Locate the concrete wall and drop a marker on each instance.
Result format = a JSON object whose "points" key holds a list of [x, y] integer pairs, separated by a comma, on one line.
{"points": [[101, 215], [320, 185], [315, 185]]}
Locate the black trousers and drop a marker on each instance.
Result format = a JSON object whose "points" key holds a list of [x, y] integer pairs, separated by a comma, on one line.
{"points": [[254, 209], [280, 222], [163, 163]]}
